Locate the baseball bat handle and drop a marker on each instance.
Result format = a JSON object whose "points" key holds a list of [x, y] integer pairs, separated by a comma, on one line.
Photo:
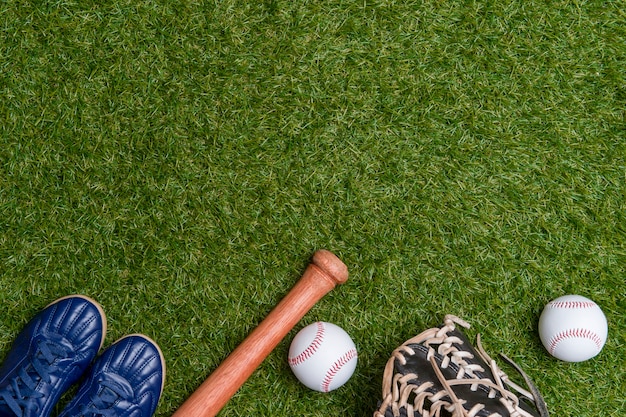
{"points": [[323, 273]]}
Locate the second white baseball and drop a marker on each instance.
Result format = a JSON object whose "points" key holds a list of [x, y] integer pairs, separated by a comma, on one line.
{"points": [[322, 356], [573, 328]]}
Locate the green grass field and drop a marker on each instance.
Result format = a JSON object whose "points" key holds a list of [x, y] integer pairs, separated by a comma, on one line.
{"points": [[181, 161]]}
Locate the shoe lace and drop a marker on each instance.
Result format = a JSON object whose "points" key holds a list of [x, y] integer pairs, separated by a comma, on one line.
{"points": [[112, 390], [19, 394]]}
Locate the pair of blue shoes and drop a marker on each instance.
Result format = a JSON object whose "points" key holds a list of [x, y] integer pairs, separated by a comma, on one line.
{"points": [[59, 346]]}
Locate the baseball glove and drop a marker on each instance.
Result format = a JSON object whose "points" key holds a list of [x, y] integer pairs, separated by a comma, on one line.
{"points": [[438, 373]]}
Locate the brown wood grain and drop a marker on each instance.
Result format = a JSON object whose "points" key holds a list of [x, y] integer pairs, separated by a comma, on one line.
{"points": [[323, 273]]}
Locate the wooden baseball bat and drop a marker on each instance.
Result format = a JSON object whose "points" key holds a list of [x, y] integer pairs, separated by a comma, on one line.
{"points": [[323, 273]]}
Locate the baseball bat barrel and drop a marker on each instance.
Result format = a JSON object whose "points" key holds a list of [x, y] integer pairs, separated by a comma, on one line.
{"points": [[323, 273]]}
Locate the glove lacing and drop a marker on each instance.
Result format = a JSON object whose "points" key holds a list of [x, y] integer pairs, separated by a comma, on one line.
{"points": [[415, 398]]}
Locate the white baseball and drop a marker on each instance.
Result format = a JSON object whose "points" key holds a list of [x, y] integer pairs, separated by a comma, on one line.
{"points": [[322, 356], [573, 328]]}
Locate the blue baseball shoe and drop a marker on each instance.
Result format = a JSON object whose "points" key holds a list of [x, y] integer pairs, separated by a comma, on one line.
{"points": [[49, 355], [125, 381]]}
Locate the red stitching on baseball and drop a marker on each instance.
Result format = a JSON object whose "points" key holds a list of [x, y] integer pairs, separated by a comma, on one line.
{"points": [[312, 348], [572, 334], [571, 304], [336, 367]]}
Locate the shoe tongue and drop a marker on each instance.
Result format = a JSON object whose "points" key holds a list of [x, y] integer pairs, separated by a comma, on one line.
{"points": [[50, 352], [118, 384], [54, 347], [114, 390]]}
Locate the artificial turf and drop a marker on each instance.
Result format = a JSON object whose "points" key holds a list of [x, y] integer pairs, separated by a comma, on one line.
{"points": [[181, 161]]}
